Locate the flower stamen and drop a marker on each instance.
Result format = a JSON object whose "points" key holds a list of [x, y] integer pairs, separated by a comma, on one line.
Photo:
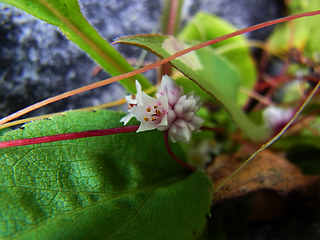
{"points": [[131, 105], [171, 110]]}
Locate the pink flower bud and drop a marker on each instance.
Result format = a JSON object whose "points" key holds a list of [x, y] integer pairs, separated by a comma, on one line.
{"points": [[170, 110]]}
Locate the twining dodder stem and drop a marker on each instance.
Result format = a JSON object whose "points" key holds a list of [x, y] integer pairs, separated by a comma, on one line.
{"points": [[94, 133], [68, 136], [153, 65], [86, 134], [166, 141]]}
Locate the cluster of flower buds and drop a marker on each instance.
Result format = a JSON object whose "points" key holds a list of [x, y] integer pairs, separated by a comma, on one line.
{"points": [[170, 110], [276, 118]]}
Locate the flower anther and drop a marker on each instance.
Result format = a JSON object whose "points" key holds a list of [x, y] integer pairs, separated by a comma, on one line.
{"points": [[171, 110]]}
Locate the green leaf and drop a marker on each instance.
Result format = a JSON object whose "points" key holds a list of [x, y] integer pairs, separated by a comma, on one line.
{"points": [[203, 27], [123, 186], [214, 68], [66, 15], [297, 33], [210, 72]]}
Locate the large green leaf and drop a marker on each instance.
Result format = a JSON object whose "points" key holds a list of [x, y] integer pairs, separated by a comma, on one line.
{"points": [[204, 27], [208, 70], [67, 16], [123, 186]]}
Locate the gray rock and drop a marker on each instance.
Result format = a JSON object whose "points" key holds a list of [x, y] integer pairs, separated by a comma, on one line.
{"points": [[37, 62], [241, 13]]}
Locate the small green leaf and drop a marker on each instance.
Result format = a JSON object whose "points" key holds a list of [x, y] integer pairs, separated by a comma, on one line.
{"points": [[66, 15], [212, 73], [298, 33], [123, 186], [204, 27]]}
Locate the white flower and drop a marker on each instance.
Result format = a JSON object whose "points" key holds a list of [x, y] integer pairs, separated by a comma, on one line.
{"points": [[170, 89], [276, 117], [170, 110]]}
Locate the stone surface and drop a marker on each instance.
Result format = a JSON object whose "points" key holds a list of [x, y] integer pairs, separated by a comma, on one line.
{"points": [[37, 62], [241, 13]]}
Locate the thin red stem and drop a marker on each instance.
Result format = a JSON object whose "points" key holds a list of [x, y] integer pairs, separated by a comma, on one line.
{"points": [[166, 141], [68, 136], [174, 8], [151, 66], [170, 30]]}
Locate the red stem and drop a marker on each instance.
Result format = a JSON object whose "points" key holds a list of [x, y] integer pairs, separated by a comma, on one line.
{"points": [[166, 141], [151, 66], [172, 17], [166, 67], [68, 136]]}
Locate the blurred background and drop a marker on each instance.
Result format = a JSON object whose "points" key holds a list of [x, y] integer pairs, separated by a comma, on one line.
{"points": [[37, 61]]}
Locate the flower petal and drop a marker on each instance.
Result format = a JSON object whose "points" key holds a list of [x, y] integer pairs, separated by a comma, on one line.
{"points": [[127, 118], [170, 110], [170, 89], [144, 126]]}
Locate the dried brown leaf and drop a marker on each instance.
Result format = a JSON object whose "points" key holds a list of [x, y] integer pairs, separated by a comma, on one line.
{"points": [[266, 171]]}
